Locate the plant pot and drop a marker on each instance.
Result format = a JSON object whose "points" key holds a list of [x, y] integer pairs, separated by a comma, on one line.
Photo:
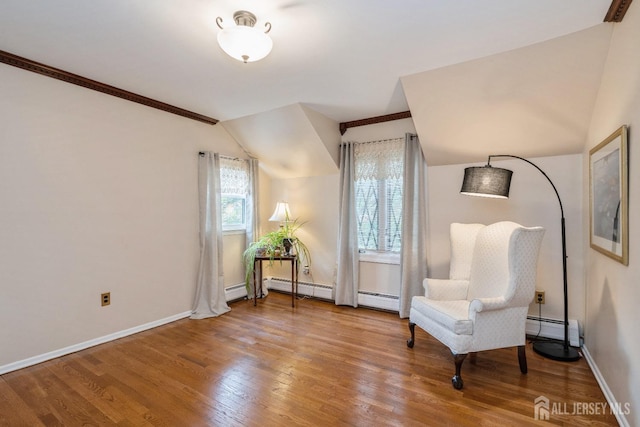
{"points": [[287, 243]]}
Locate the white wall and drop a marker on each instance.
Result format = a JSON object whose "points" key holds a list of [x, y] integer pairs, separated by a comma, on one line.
{"points": [[98, 195], [532, 202], [314, 202], [613, 290], [380, 277], [234, 245]]}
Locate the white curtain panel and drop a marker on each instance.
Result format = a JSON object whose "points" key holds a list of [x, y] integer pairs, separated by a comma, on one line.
{"points": [[413, 255], [346, 289], [253, 219], [210, 299]]}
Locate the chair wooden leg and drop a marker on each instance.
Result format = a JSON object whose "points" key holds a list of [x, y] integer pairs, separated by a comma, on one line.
{"points": [[522, 358], [457, 379], [412, 329]]}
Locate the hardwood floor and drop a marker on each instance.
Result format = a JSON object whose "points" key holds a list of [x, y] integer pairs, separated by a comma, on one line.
{"points": [[316, 365]]}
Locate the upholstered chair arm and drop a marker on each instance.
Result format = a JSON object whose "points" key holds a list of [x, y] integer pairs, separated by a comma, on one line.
{"points": [[445, 289], [485, 304]]}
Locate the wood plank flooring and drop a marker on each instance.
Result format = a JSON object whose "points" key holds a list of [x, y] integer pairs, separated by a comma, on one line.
{"points": [[313, 365]]}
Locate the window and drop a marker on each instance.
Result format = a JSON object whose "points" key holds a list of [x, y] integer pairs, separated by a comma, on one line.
{"points": [[234, 182], [234, 212], [378, 194]]}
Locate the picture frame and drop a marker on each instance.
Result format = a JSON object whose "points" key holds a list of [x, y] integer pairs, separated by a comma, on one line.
{"points": [[609, 196]]}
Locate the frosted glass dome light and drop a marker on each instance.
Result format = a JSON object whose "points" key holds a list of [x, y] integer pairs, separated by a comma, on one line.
{"points": [[243, 41]]}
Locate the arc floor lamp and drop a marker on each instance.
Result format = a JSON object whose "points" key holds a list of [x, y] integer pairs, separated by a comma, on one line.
{"points": [[487, 181]]}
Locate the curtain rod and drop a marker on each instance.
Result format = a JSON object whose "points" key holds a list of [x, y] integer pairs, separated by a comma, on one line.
{"points": [[202, 153], [372, 142]]}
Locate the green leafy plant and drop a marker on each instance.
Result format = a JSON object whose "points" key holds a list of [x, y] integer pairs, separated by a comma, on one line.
{"points": [[272, 245]]}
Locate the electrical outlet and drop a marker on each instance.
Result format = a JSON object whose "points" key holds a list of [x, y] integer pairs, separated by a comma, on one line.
{"points": [[105, 298], [305, 269], [539, 297]]}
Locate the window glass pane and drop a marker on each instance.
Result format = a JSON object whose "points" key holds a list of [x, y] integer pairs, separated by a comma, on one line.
{"points": [[367, 213], [233, 212], [393, 214]]}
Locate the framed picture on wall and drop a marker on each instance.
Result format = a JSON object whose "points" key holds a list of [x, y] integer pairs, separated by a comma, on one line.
{"points": [[609, 197]]}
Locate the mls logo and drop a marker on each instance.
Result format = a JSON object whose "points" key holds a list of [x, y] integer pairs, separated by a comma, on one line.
{"points": [[541, 408]]}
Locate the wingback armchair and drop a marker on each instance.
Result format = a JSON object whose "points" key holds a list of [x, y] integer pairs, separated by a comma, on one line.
{"points": [[484, 303]]}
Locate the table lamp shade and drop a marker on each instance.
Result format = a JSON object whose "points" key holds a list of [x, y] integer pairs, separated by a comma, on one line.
{"points": [[281, 213]]}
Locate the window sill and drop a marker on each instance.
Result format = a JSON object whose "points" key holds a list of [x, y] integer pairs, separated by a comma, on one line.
{"points": [[232, 232], [380, 257]]}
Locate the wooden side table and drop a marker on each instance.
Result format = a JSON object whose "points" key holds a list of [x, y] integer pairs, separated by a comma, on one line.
{"points": [[294, 275]]}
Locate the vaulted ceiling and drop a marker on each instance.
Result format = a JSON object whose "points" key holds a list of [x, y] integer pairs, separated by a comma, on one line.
{"points": [[477, 76]]}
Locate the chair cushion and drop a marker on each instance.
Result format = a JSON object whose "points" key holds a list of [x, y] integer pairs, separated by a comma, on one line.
{"points": [[453, 315]]}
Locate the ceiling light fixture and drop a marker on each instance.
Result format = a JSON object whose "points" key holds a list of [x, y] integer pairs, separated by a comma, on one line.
{"points": [[243, 41]]}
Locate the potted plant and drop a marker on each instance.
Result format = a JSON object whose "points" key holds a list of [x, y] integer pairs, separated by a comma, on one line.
{"points": [[274, 244]]}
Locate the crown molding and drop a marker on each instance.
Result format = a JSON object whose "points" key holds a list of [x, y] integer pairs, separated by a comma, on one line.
{"points": [[65, 76], [617, 10], [373, 120]]}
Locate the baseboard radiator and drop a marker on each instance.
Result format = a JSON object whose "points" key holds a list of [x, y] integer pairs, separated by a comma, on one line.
{"points": [[553, 328], [310, 289], [316, 290], [235, 292], [545, 327], [365, 299]]}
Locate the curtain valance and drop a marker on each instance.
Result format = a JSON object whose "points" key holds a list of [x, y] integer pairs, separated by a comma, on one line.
{"points": [[234, 176], [379, 160]]}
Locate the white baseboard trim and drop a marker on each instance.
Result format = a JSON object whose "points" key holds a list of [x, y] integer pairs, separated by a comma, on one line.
{"points": [[14, 366], [608, 394], [232, 293], [554, 329]]}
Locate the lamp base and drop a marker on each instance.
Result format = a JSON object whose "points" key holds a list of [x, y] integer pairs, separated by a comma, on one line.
{"points": [[556, 351]]}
